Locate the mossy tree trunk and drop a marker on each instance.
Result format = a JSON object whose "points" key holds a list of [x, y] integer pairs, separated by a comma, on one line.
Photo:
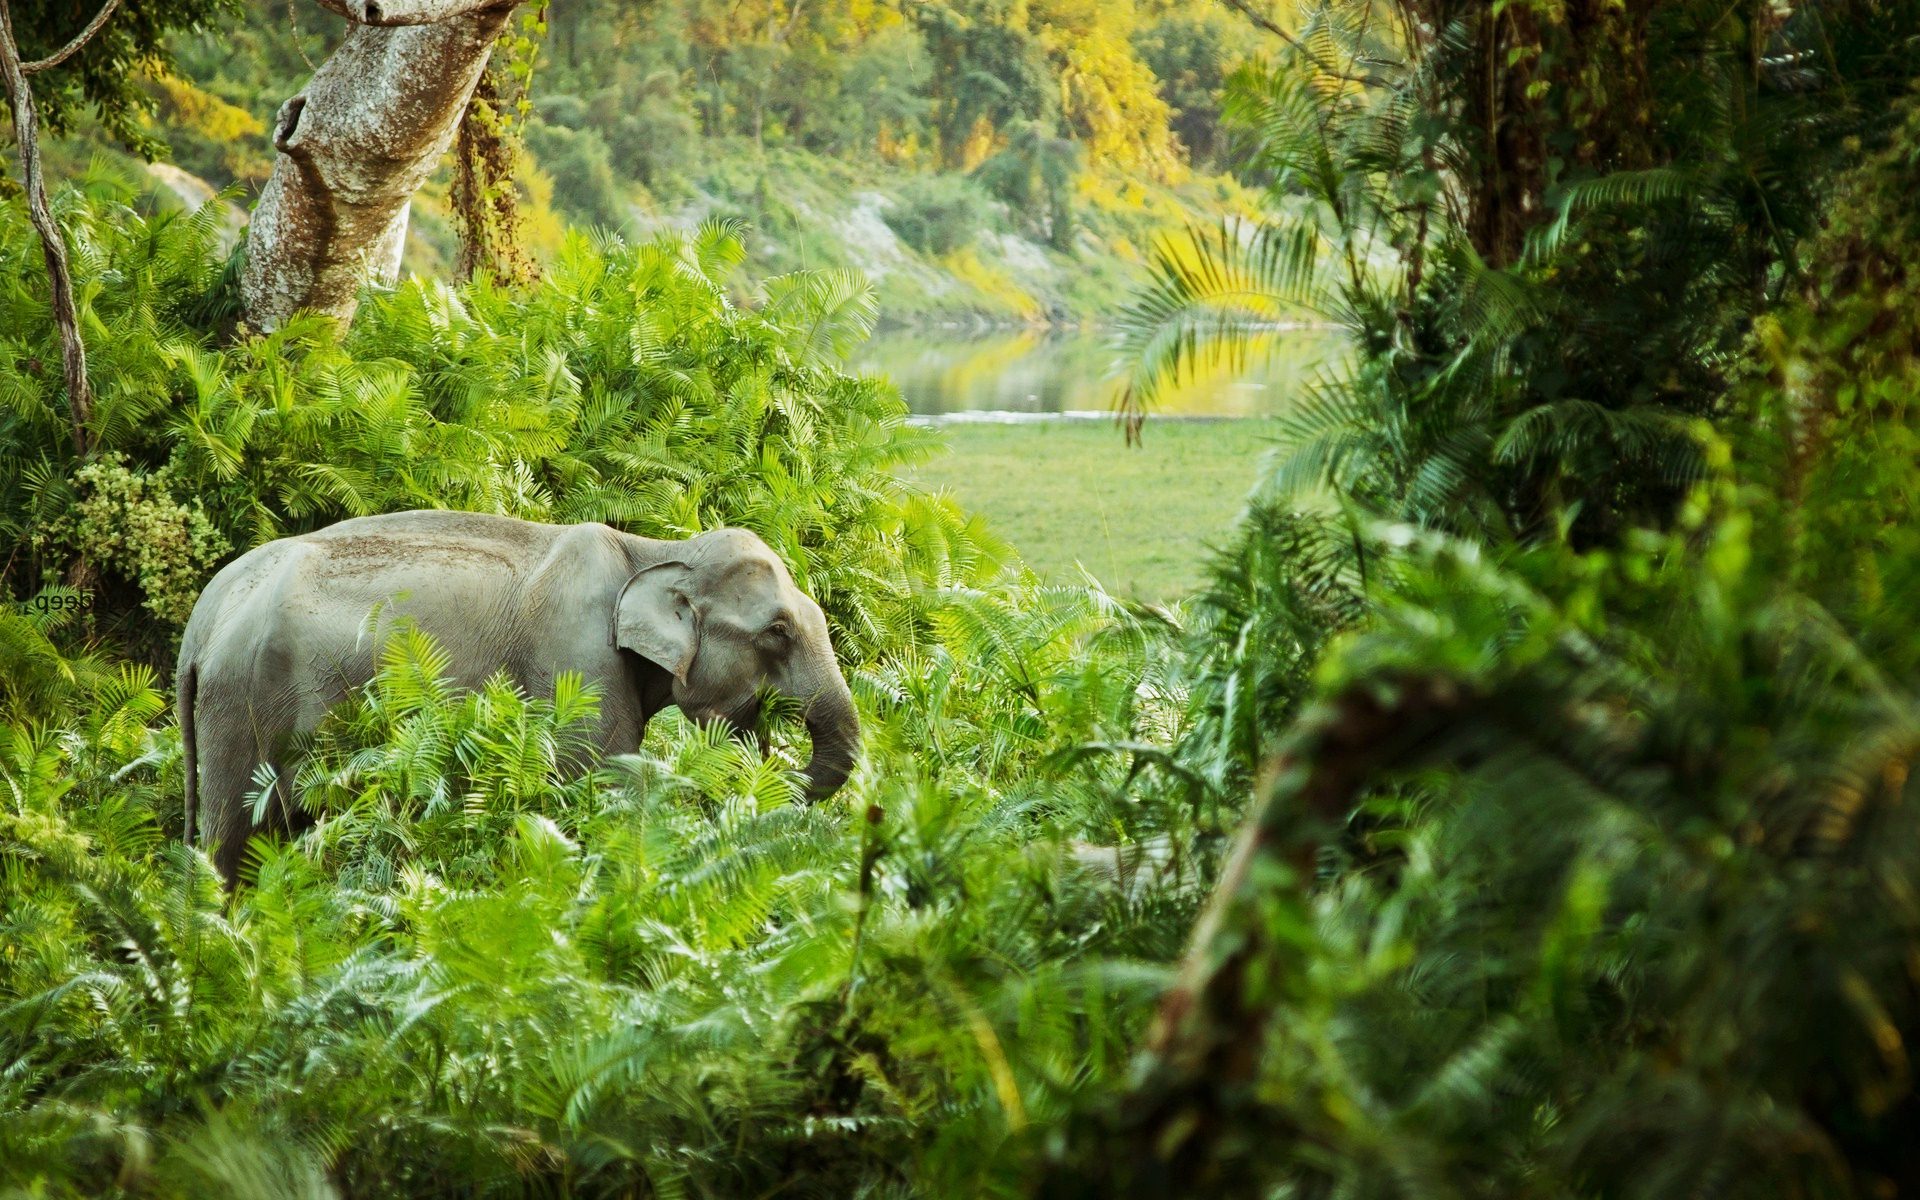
{"points": [[355, 145]]}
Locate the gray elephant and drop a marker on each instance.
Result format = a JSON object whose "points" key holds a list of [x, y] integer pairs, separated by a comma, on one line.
{"points": [[284, 632]]}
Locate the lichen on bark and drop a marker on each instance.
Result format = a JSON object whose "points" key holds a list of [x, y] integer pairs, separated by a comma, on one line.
{"points": [[354, 147]]}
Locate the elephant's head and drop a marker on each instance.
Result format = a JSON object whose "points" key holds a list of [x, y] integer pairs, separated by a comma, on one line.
{"points": [[723, 617]]}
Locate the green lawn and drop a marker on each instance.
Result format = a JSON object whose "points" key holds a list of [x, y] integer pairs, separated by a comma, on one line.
{"points": [[1139, 518]]}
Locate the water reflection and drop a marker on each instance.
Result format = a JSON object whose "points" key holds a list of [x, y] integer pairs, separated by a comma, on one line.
{"points": [[940, 371]]}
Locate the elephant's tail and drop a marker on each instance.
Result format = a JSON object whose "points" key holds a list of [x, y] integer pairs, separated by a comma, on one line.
{"points": [[185, 701]]}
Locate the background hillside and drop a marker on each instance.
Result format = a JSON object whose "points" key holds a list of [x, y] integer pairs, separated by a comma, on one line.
{"points": [[980, 161]]}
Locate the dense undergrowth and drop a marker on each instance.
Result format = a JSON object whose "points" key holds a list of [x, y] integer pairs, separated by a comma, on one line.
{"points": [[1575, 619], [1571, 769]]}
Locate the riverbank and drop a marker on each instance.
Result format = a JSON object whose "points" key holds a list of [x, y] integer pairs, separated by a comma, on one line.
{"points": [[1071, 495], [940, 251], [1012, 375]]}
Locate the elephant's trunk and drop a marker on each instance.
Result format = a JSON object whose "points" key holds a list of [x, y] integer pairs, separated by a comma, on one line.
{"points": [[835, 727]]}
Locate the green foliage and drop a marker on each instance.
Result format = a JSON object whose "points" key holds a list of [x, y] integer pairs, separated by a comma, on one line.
{"points": [[1533, 322], [39, 671], [1567, 712], [805, 120], [481, 970], [656, 141], [104, 75], [130, 522], [1507, 382], [584, 186], [665, 85], [475, 973], [1190, 54], [882, 97], [1577, 869], [933, 84], [996, 72], [1623, 889], [1034, 175], [938, 214], [1276, 593], [625, 388]]}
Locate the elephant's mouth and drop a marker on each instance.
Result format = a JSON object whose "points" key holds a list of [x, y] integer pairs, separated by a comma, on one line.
{"points": [[744, 721]]}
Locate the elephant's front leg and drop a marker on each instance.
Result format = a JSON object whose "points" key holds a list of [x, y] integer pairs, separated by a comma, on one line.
{"points": [[619, 733]]}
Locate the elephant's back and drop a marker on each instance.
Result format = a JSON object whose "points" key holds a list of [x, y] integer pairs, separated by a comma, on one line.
{"points": [[409, 543], [460, 577], [334, 594], [437, 564], [432, 536]]}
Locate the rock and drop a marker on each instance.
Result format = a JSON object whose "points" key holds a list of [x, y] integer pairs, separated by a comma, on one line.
{"points": [[194, 192]]}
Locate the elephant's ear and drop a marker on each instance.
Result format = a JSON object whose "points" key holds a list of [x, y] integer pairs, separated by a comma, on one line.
{"points": [[655, 618]]}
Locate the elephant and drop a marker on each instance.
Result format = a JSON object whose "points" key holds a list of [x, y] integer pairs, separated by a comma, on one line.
{"points": [[283, 633]]}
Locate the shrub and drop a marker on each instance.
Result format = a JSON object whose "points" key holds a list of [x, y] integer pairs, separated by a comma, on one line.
{"points": [[130, 522], [653, 139], [1585, 865], [624, 388], [937, 214], [562, 111]]}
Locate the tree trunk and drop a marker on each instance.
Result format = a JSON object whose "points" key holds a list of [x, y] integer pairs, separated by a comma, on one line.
{"points": [[355, 146], [1193, 1121]]}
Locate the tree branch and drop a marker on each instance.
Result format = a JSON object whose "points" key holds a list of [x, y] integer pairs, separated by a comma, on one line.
{"points": [[71, 48], [26, 132], [1193, 1122], [386, 14]]}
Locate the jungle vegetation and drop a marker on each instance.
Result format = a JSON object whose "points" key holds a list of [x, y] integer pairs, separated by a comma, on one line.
{"points": [[1523, 808], [1078, 130]]}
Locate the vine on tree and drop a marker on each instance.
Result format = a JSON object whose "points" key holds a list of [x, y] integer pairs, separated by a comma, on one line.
{"points": [[486, 203]]}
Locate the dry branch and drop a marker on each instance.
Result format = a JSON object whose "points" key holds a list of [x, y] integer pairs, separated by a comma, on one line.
{"points": [[26, 131]]}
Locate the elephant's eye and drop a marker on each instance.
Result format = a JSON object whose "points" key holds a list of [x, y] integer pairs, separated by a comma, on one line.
{"points": [[779, 630]]}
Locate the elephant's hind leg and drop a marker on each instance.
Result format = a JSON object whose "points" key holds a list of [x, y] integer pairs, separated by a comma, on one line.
{"points": [[234, 744], [227, 768]]}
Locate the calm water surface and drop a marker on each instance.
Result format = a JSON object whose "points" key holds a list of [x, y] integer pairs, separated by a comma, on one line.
{"points": [[945, 372]]}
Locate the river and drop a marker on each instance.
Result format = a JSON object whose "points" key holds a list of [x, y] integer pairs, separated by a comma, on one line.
{"points": [[1022, 373]]}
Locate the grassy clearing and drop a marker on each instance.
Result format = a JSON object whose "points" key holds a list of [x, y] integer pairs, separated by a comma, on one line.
{"points": [[1140, 519]]}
